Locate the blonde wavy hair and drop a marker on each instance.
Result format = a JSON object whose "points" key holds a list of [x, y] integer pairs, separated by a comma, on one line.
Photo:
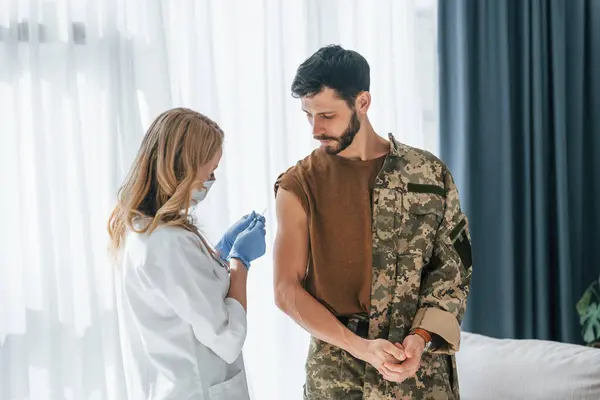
{"points": [[160, 181]]}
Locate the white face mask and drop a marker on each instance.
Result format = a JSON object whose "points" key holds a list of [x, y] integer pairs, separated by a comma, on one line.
{"points": [[200, 194]]}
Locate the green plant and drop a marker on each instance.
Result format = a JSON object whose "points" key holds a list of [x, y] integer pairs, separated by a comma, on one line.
{"points": [[588, 309]]}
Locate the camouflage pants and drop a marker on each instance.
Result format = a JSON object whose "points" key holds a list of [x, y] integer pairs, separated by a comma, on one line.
{"points": [[332, 374]]}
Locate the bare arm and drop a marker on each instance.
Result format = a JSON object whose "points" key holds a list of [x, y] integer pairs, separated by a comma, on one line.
{"points": [[290, 260], [239, 277]]}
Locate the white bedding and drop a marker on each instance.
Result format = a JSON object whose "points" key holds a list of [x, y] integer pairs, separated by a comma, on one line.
{"points": [[526, 369]]}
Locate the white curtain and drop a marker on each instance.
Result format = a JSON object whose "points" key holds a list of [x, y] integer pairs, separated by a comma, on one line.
{"points": [[80, 81]]}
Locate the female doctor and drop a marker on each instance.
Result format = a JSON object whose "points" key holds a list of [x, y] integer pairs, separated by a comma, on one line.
{"points": [[182, 304]]}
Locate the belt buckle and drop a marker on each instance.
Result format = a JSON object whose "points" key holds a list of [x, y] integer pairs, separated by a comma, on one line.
{"points": [[353, 324]]}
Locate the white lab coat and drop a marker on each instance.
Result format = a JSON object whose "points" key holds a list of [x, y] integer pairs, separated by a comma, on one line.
{"points": [[181, 336]]}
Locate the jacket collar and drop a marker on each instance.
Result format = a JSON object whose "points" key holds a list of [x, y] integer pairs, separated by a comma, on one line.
{"points": [[397, 149]]}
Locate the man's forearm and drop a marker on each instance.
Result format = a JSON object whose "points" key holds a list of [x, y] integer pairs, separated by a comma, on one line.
{"points": [[317, 320]]}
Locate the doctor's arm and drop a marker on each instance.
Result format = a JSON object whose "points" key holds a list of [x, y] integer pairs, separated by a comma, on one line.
{"points": [[187, 282], [239, 278], [290, 261]]}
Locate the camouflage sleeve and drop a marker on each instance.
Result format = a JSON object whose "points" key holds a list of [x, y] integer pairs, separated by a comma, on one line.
{"points": [[445, 281]]}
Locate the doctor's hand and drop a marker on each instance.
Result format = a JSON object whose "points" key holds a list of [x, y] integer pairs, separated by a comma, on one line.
{"points": [[250, 244], [224, 245]]}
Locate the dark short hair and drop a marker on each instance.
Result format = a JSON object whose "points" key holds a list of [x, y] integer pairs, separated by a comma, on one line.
{"points": [[344, 71]]}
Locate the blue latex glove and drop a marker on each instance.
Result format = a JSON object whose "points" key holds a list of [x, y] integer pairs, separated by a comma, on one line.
{"points": [[226, 242], [250, 244]]}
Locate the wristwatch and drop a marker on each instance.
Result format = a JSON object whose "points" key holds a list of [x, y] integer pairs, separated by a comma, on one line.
{"points": [[424, 334]]}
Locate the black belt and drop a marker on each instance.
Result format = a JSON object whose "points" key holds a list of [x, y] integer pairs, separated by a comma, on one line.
{"points": [[358, 325]]}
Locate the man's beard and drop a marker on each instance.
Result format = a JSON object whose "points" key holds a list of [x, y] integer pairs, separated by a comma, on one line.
{"points": [[346, 139]]}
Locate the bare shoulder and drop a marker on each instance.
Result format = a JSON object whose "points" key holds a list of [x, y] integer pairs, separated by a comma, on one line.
{"points": [[289, 209], [290, 252]]}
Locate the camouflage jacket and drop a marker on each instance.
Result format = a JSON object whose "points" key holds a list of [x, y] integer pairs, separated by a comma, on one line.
{"points": [[421, 269]]}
